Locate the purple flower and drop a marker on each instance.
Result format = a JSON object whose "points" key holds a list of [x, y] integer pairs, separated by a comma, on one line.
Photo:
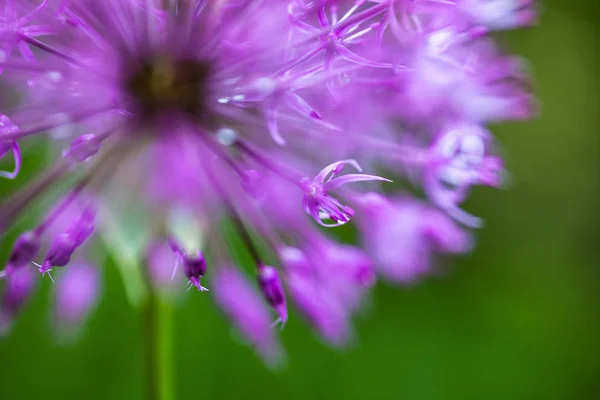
{"points": [[328, 282], [194, 268], [77, 293], [459, 159], [247, 310], [319, 204], [312, 296], [404, 236], [168, 118]]}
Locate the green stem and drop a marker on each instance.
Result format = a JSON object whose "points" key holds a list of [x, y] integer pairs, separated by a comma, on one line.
{"points": [[158, 348]]}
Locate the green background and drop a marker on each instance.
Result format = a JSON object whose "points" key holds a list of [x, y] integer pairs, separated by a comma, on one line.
{"points": [[517, 319]]}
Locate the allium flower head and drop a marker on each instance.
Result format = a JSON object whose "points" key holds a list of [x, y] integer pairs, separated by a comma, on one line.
{"points": [[245, 113]]}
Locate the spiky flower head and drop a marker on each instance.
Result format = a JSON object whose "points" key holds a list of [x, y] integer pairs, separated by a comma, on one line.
{"points": [[173, 119]]}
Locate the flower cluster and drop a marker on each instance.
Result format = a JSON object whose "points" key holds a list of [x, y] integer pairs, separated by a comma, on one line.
{"points": [[249, 113]]}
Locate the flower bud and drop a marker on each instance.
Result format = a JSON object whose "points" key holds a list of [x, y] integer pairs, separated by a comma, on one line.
{"points": [[61, 249], [194, 268], [64, 244], [272, 288]]}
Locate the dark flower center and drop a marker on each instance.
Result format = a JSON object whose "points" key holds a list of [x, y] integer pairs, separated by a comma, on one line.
{"points": [[165, 85]]}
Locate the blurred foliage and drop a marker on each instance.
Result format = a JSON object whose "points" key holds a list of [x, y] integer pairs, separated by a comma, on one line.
{"points": [[518, 319]]}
